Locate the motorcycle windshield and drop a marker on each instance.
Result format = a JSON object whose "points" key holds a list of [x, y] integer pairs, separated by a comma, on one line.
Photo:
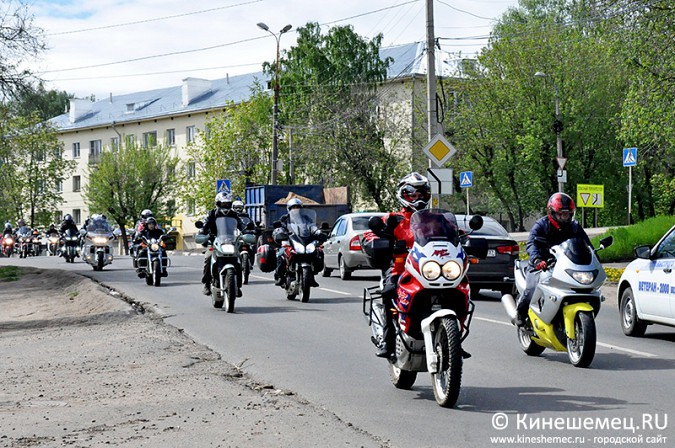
{"points": [[434, 225], [578, 251], [69, 233], [302, 222], [99, 226], [226, 228]]}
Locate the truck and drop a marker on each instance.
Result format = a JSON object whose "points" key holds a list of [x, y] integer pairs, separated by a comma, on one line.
{"points": [[267, 203]]}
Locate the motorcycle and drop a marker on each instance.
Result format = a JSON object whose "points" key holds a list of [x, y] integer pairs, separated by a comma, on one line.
{"points": [[152, 260], [303, 255], [25, 245], [432, 310], [7, 245], [246, 245], [564, 304], [52, 244], [97, 244], [70, 245], [225, 264]]}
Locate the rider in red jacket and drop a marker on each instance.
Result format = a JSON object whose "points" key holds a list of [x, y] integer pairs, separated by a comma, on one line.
{"points": [[413, 194]]}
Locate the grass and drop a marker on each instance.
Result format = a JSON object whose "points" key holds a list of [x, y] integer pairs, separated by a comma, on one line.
{"points": [[9, 273]]}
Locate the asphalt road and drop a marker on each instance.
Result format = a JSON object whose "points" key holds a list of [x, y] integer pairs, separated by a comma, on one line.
{"points": [[321, 350]]}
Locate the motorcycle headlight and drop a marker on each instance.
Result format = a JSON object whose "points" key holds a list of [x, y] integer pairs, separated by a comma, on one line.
{"points": [[452, 270], [583, 277], [299, 248], [154, 247], [227, 248], [431, 270], [9, 241], [310, 248], [100, 240]]}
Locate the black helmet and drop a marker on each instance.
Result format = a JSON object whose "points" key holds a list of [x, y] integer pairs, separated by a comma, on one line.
{"points": [[151, 220], [560, 209], [414, 192], [68, 218]]}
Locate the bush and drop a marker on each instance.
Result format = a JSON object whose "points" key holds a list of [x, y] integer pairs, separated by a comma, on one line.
{"points": [[627, 238]]}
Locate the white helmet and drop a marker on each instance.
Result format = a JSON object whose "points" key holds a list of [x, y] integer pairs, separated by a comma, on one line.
{"points": [[295, 202], [238, 206], [414, 192], [223, 201], [145, 214]]}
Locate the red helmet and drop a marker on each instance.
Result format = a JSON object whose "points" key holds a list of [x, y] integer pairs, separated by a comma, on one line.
{"points": [[560, 209]]}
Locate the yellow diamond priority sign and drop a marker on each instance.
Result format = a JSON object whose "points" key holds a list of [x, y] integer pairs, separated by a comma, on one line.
{"points": [[439, 150]]}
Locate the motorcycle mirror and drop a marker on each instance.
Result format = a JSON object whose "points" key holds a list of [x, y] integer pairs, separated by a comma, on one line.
{"points": [[276, 224], [606, 242], [117, 232], [250, 225], [83, 232], [476, 222], [199, 224]]}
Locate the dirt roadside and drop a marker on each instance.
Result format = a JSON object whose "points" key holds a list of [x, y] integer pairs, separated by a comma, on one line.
{"points": [[82, 368]]}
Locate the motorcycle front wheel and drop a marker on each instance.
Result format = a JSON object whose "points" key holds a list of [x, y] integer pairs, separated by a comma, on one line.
{"points": [[582, 349], [157, 272], [99, 262], [447, 345], [246, 267], [230, 290], [306, 283]]}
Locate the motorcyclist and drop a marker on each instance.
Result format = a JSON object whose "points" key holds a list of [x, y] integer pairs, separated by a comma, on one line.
{"points": [[52, 231], [555, 228], [21, 228], [223, 203], [138, 229], [8, 229], [283, 229], [151, 230], [68, 223], [238, 207], [413, 193]]}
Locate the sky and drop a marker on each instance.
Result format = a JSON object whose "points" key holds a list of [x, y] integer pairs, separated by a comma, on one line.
{"points": [[103, 47]]}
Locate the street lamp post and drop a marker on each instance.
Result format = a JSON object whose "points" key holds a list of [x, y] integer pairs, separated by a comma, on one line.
{"points": [[275, 130], [557, 126]]}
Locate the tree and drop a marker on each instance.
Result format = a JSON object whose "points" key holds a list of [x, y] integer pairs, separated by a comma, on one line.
{"points": [[329, 102], [234, 147], [32, 169], [20, 41], [129, 180], [48, 104]]}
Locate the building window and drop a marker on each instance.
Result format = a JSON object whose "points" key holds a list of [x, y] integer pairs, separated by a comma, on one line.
{"points": [[115, 144], [150, 139], [171, 137], [76, 150], [76, 183], [191, 170], [95, 149], [59, 186], [77, 216], [190, 207], [130, 140], [190, 134]]}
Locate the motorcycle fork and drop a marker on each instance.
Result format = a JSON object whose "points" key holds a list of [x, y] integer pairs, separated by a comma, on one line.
{"points": [[570, 313]]}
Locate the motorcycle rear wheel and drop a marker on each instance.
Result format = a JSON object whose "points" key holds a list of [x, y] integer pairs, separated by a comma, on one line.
{"points": [[401, 379], [530, 347], [582, 349], [230, 290], [157, 272], [448, 347]]}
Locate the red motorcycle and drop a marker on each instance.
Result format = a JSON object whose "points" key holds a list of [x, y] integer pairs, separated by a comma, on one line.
{"points": [[432, 310], [7, 245]]}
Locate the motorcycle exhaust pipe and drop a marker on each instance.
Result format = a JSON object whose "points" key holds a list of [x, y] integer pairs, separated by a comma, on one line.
{"points": [[509, 304]]}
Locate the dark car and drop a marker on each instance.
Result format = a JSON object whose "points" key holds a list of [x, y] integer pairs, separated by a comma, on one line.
{"points": [[342, 250], [496, 270]]}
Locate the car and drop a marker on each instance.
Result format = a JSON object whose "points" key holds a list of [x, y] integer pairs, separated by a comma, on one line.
{"points": [[342, 249], [496, 270], [646, 289]]}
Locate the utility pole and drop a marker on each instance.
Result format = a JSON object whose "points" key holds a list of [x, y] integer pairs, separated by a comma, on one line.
{"points": [[431, 73]]}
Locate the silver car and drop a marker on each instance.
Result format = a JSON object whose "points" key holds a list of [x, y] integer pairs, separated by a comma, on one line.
{"points": [[342, 250]]}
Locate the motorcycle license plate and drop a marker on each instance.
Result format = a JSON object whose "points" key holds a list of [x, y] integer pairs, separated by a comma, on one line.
{"points": [[492, 253]]}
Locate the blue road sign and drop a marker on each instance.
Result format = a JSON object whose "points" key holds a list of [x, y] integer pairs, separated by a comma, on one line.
{"points": [[629, 156], [223, 186], [466, 179]]}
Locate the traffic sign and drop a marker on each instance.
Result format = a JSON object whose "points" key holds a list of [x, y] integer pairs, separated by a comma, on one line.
{"points": [[629, 156], [562, 176], [561, 162], [591, 196], [439, 150], [223, 186], [440, 180], [466, 179]]}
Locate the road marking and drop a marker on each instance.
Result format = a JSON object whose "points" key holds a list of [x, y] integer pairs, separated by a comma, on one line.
{"points": [[338, 292], [601, 344]]}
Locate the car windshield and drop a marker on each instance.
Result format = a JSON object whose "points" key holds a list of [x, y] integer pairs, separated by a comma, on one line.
{"points": [[434, 225], [577, 251], [490, 227]]}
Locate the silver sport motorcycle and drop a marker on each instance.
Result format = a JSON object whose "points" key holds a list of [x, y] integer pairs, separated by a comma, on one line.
{"points": [[564, 304]]}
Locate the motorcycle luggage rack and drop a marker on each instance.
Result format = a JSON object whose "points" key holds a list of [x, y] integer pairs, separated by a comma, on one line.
{"points": [[370, 294], [469, 318]]}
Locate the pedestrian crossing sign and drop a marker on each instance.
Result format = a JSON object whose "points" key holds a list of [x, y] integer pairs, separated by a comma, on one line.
{"points": [[466, 179], [630, 156], [223, 186]]}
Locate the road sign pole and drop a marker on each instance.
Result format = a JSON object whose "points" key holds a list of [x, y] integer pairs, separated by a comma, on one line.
{"points": [[467, 201], [630, 190]]}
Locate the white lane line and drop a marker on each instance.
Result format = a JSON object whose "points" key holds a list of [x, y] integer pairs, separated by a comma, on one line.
{"points": [[601, 344], [323, 289]]}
